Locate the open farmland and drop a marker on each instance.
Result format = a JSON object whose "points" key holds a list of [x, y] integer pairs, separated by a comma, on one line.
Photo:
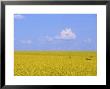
{"points": [[55, 63]]}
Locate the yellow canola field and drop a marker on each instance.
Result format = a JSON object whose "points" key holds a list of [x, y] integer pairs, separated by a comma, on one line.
{"points": [[55, 63]]}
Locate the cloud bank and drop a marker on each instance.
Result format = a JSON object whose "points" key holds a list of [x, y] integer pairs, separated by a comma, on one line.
{"points": [[26, 41], [18, 16]]}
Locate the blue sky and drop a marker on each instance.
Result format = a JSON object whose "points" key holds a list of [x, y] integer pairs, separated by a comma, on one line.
{"points": [[55, 32]]}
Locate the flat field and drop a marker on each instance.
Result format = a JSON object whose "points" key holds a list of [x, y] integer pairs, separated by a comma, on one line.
{"points": [[55, 63]]}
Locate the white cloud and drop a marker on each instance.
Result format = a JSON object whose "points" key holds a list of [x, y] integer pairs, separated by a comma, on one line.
{"points": [[88, 40], [26, 41], [67, 33], [29, 41], [18, 16], [48, 38]]}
